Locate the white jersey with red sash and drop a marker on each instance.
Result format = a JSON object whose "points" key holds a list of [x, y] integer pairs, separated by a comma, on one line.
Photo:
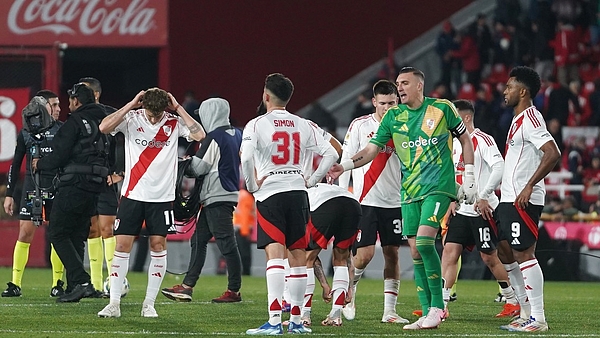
{"points": [[151, 156]]}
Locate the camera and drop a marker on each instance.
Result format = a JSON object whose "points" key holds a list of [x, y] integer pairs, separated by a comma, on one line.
{"points": [[36, 117], [36, 121]]}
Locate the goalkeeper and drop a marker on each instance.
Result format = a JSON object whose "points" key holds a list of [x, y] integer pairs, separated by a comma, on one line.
{"points": [[218, 162], [421, 129]]}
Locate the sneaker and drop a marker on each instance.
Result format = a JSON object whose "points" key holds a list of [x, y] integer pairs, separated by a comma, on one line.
{"points": [[110, 310], [97, 294], [266, 330], [418, 313], [294, 328], [285, 306], [418, 325], [433, 318], [500, 298], [12, 290], [515, 323], [79, 291], [392, 317], [349, 310], [148, 311], [531, 325], [58, 289], [178, 293], [453, 297], [228, 297], [329, 321], [306, 319], [510, 310]]}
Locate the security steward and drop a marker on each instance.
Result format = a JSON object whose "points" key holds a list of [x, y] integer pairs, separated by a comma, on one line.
{"points": [[81, 155]]}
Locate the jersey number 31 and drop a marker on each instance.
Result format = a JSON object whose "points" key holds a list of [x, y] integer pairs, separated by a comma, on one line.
{"points": [[288, 145]]}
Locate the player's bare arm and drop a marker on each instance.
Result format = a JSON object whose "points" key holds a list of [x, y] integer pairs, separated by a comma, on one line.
{"points": [[549, 160], [366, 155], [197, 133], [320, 275], [111, 122]]}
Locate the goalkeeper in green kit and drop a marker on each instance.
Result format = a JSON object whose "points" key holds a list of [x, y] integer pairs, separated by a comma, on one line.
{"points": [[422, 129]]}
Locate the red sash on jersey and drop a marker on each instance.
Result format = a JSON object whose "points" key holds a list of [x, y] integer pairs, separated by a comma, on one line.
{"points": [[375, 170], [148, 155]]}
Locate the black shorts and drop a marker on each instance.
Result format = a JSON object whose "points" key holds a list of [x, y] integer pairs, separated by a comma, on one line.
{"points": [[387, 222], [132, 214], [25, 206], [108, 201], [473, 231], [519, 227], [339, 218], [282, 219]]}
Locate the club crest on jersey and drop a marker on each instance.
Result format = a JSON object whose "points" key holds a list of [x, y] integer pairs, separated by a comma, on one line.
{"points": [[167, 130], [430, 123]]}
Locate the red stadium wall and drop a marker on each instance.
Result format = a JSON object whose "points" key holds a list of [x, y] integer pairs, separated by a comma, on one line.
{"points": [[227, 48]]}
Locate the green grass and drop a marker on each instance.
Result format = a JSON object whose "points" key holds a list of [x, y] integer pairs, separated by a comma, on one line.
{"points": [[570, 310]]}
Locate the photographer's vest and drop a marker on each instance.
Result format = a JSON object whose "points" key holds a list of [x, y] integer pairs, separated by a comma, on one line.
{"points": [[88, 167]]}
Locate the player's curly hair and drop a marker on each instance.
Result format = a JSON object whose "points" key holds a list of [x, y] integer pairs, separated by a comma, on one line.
{"points": [[156, 100], [528, 77]]}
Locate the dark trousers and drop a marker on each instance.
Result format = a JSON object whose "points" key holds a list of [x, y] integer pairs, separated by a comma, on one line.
{"points": [[69, 228], [216, 220]]}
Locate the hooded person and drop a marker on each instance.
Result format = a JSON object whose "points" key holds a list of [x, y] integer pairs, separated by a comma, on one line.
{"points": [[217, 162]]}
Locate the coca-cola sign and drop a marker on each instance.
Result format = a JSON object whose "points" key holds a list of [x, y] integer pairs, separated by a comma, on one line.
{"points": [[75, 22]]}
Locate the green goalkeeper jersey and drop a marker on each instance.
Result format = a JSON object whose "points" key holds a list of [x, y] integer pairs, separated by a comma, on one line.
{"points": [[423, 141]]}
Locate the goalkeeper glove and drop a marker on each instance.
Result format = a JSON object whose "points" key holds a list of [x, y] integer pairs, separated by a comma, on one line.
{"points": [[469, 187]]}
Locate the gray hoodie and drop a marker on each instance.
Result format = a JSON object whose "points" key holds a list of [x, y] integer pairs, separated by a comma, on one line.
{"points": [[218, 159]]}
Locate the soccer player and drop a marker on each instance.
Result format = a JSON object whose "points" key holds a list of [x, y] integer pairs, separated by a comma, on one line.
{"points": [[475, 225], [377, 187], [101, 241], [422, 129], [272, 151], [148, 190], [531, 153], [334, 213], [27, 229]]}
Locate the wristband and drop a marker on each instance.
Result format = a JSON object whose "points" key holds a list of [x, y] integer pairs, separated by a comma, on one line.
{"points": [[347, 165], [470, 170]]}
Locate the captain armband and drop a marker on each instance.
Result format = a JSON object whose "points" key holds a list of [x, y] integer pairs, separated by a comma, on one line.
{"points": [[458, 130]]}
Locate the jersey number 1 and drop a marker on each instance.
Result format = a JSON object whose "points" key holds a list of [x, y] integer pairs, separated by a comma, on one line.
{"points": [[287, 145]]}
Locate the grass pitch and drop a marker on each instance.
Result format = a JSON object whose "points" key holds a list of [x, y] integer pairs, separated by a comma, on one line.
{"points": [[571, 310]]}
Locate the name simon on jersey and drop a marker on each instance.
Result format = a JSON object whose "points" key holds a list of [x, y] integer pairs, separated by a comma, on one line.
{"points": [[153, 143], [421, 142], [283, 123]]}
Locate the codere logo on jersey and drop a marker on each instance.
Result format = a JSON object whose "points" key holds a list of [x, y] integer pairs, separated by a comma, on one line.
{"points": [[421, 142], [153, 143]]}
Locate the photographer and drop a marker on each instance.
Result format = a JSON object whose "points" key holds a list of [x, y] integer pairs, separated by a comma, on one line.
{"points": [[80, 153], [25, 145]]}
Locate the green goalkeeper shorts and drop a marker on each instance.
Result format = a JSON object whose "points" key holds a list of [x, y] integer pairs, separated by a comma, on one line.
{"points": [[429, 211]]}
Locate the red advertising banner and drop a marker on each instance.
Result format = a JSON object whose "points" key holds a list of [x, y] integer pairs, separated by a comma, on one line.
{"points": [[91, 23], [12, 102]]}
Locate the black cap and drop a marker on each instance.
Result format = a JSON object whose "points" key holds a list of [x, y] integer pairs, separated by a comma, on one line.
{"points": [[82, 92]]}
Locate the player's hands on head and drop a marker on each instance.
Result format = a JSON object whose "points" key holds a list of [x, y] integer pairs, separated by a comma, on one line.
{"points": [[173, 104], [137, 100]]}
